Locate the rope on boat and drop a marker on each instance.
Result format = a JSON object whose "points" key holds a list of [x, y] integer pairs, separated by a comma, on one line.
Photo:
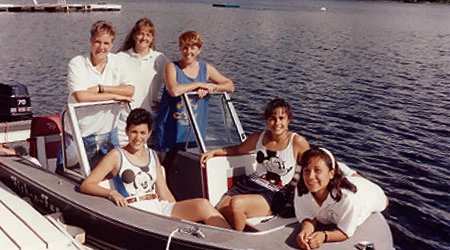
{"points": [[195, 231], [170, 238]]}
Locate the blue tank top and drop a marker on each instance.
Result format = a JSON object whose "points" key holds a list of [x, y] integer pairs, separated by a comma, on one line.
{"points": [[172, 122]]}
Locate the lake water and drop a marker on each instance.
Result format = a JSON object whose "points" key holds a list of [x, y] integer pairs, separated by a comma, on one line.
{"points": [[369, 80]]}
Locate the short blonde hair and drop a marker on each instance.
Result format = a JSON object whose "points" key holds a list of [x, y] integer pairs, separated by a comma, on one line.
{"points": [[190, 38], [103, 27]]}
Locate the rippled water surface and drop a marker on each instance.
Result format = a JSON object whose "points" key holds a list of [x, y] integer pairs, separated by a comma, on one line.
{"points": [[367, 79]]}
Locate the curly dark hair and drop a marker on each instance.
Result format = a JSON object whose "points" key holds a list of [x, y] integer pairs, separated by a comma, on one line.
{"points": [[277, 103], [139, 116], [337, 183]]}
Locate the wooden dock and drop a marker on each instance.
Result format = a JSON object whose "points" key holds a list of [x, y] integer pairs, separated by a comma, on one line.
{"points": [[22, 227], [59, 7]]}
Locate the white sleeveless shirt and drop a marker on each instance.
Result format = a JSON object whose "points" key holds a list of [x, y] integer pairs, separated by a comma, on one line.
{"points": [[282, 162], [134, 180]]}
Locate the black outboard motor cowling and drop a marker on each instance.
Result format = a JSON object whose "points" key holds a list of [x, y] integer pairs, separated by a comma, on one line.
{"points": [[15, 103]]}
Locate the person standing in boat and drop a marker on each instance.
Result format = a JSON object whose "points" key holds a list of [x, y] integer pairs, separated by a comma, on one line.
{"points": [[184, 75], [99, 76], [146, 67], [139, 181], [324, 194], [277, 152]]}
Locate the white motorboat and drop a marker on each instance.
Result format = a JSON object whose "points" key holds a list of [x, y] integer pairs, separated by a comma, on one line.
{"points": [[110, 227]]}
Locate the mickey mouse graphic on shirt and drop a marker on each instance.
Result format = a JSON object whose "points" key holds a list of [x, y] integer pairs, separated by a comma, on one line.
{"points": [[142, 180], [272, 162]]}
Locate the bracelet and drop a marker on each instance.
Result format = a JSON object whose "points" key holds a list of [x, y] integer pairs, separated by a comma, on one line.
{"points": [[326, 236], [100, 88]]}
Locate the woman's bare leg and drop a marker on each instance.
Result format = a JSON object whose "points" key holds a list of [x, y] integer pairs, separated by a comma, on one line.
{"points": [[246, 206], [224, 208], [199, 210]]}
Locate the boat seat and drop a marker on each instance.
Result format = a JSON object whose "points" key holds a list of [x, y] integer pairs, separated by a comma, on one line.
{"points": [[222, 172], [45, 138]]}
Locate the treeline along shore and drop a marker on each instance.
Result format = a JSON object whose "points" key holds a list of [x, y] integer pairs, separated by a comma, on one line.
{"points": [[413, 1]]}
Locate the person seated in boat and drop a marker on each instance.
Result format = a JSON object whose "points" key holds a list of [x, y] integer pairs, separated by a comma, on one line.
{"points": [[99, 76], [6, 150], [19, 151], [146, 67], [185, 75], [277, 152], [325, 195], [139, 181]]}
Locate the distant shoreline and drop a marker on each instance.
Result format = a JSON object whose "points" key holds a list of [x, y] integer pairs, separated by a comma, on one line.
{"points": [[416, 1]]}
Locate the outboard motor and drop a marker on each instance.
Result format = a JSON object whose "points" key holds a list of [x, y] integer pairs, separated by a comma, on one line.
{"points": [[15, 104]]}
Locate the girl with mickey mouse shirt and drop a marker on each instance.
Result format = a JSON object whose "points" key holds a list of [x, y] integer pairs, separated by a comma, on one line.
{"points": [[277, 150], [139, 181]]}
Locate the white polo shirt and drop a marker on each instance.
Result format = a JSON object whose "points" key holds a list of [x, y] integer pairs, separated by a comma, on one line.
{"points": [[81, 76], [147, 74]]}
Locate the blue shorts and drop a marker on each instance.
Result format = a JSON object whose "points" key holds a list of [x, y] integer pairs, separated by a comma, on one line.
{"points": [[247, 186]]}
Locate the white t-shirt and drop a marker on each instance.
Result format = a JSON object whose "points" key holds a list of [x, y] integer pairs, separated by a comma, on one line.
{"points": [[81, 76], [346, 170], [350, 212], [147, 74]]}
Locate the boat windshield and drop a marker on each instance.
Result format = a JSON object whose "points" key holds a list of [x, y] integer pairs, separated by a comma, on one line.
{"points": [[215, 126], [90, 131]]}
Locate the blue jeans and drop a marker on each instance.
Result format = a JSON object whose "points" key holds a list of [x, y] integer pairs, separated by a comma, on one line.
{"points": [[93, 149], [102, 149]]}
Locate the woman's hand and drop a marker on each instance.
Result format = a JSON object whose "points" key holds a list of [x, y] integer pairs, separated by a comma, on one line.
{"points": [[211, 87], [316, 239], [205, 157], [302, 240], [117, 198], [202, 93], [205, 89]]}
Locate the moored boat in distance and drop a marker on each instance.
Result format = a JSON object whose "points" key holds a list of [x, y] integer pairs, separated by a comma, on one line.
{"points": [[226, 5]]}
